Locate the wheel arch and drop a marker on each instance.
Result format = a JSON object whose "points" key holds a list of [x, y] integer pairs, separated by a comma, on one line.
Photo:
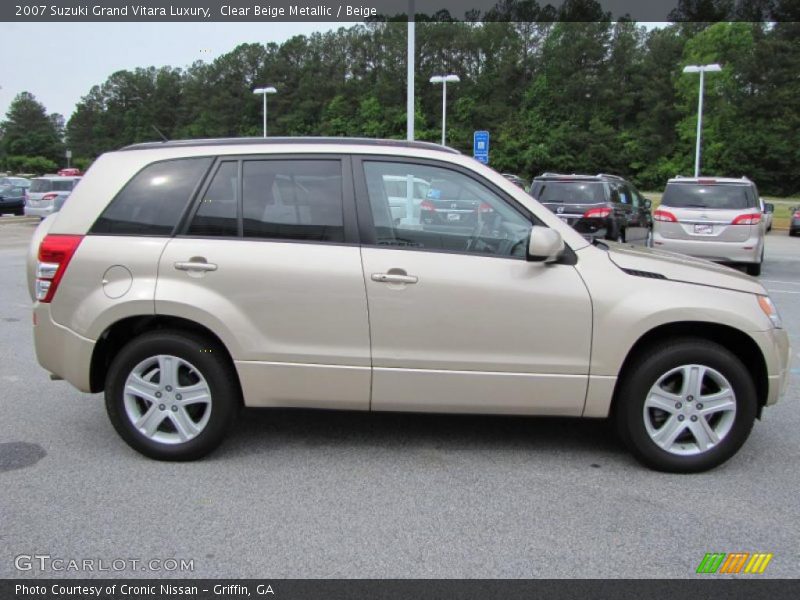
{"points": [[120, 332], [735, 340]]}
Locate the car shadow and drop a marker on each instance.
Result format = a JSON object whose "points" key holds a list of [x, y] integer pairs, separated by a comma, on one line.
{"points": [[264, 429]]}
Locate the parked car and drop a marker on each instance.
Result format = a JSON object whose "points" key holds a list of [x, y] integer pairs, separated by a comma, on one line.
{"points": [[715, 218], [12, 199], [767, 212], [70, 172], [184, 279], [397, 191], [22, 182], [517, 180], [47, 194], [794, 222], [597, 206]]}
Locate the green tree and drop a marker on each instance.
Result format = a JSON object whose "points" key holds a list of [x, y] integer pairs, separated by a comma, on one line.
{"points": [[28, 131]]}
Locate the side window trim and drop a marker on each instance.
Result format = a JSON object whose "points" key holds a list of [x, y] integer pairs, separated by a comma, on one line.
{"points": [[366, 227]]}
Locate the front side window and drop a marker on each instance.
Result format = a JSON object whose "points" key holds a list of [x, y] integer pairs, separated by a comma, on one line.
{"points": [[456, 214], [153, 200], [293, 199]]}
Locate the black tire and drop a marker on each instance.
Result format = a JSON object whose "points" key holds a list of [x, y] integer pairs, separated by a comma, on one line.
{"points": [[209, 359], [645, 372]]}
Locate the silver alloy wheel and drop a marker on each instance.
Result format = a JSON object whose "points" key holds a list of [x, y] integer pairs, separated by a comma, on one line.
{"points": [[167, 399], [689, 410]]}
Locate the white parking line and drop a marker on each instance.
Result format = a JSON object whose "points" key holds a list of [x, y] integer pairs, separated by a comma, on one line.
{"points": [[783, 282], [771, 291]]}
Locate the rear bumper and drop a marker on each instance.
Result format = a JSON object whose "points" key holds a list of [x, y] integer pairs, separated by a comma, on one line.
{"points": [[7, 205], [60, 350], [748, 251], [41, 211]]}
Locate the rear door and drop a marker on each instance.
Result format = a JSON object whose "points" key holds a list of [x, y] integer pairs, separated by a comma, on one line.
{"points": [[634, 219], [268, 258]]}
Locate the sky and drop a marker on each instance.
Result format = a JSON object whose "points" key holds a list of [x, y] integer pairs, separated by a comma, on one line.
{"points": [[60, 62]]}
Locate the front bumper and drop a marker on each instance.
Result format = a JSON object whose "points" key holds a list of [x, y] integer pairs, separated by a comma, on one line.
{"points": [[748, 251], [60, 350], [774, 344]]}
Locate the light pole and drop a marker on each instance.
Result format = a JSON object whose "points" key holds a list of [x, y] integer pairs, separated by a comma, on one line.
{"points": [[410, 112], [264, 91], [702, 69], [444, 80]]}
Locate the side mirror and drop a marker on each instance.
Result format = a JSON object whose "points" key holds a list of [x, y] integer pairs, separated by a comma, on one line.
{"points": [[545, 244], [769, 207], [648, 204]]}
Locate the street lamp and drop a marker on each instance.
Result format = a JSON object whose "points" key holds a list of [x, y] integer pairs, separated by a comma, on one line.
{"points": [[264, 91], [702, 69], [444, 80]]}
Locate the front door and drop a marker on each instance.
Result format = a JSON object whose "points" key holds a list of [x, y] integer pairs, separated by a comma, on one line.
{"points": [[460, 321]]}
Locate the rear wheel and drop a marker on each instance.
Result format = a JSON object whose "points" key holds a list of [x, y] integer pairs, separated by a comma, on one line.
{"points": [[686, 406], [172, 395]]}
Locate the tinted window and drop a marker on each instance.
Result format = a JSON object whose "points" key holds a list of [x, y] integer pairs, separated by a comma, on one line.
{"points": [[692, 195], [218, 209], [153, 201], [40, 186], [570, 192], [293, 199], [458, 215]]}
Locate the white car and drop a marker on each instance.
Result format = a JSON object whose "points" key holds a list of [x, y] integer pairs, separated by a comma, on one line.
{"points": [[47, 194]]}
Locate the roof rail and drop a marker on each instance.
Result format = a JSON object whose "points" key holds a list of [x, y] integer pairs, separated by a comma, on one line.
{"points": [[611, 176], [247, 141]]}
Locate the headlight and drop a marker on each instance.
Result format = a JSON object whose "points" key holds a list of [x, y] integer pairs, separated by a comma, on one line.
{"points": [[769, 309]]}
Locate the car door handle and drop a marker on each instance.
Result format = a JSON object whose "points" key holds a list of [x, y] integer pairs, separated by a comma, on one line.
{"points": [[394, 278], [195, 266]]}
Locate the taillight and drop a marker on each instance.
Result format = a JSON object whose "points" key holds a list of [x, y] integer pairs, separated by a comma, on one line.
{"points": [[485, 208], [749, 219], [426, 205], [796, 215], [55, 252], [49, 197], [597, 213], [665, 216]]}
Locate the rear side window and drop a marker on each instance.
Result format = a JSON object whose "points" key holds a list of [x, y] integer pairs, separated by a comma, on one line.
{"points": [[216, 214], [692, 195], [570, 192], [153, 201], [292, 199]]}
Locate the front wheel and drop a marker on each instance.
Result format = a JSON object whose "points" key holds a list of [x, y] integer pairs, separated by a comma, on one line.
{"points": [[686, 406], [172, 395]]}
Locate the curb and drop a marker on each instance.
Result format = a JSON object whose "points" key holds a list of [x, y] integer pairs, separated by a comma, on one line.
{"points": [[18, 220]]}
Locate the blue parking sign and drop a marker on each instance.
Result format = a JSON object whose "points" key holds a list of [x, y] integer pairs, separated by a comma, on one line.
{"points": [[480, 146]]}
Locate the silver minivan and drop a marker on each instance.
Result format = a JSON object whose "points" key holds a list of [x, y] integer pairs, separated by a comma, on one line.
{"points": [[715, 218], [46, 194]]}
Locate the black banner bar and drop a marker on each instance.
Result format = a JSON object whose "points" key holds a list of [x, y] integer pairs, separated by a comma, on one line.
{"points": [[361, 10], [704, 588]]}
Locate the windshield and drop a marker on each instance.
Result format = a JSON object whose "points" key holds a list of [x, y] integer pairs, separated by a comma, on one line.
{"points": [[687, 195], [570, 192]]}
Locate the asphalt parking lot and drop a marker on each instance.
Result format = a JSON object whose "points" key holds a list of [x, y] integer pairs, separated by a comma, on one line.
{"points": [[319, 494]]}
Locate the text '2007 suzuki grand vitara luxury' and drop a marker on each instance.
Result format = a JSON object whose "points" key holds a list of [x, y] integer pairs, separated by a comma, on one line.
{"points": [[189, 278]]}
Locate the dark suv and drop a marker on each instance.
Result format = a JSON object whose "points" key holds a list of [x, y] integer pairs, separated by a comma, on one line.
{"points": [[597, 206]]}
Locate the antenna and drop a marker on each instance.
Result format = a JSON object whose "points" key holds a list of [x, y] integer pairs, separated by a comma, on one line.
{"points": [[158, 131]]}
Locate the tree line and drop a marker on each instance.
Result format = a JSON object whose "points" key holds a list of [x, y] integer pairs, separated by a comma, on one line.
{"points": [[584, 97]]}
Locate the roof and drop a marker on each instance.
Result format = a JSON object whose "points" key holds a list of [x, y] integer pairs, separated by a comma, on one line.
{"points": [[578, 176], [251, 141], [710, 179]]}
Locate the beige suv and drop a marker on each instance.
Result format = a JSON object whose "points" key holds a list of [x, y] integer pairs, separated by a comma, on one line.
{"points": [[187, 279]]}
